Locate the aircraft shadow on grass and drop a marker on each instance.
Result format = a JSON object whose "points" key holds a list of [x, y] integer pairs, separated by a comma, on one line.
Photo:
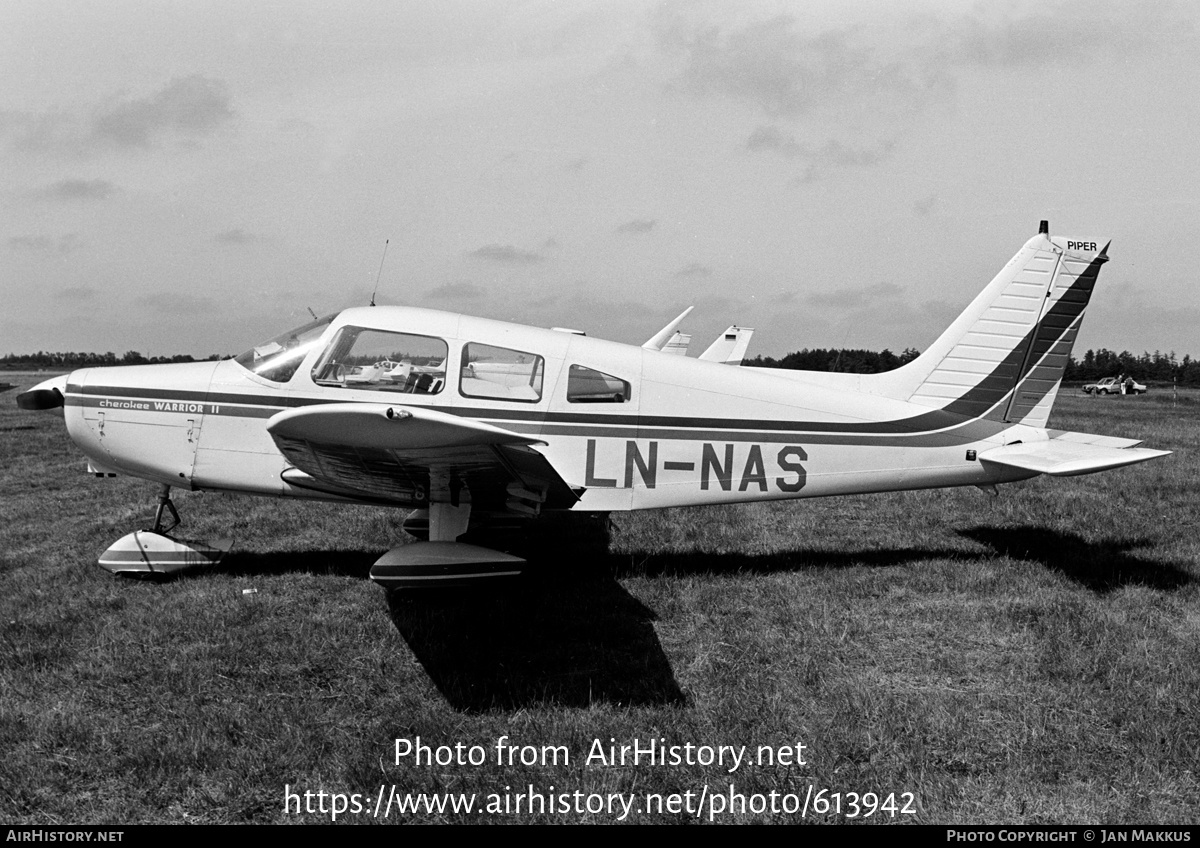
{"points": [[570, 643], [639, 564], [568, 634], [1101, 564], [343, 563], [573, 638]]}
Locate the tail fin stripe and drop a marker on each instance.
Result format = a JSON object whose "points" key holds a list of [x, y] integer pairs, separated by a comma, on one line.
{"points": [[1054, 326]]}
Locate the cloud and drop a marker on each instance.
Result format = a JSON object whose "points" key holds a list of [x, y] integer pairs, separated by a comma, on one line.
{"points": [[694, 269], [836, 98], [75, 293], [774, 140], [832, 154], [902, 65], [1094, 30], [237, 236], [636, 227], [67, 190], [48, 245], [456, 291], [175, 303], [787, 72], [505, 254], [36, 133], [188, 106], [855, 298]]}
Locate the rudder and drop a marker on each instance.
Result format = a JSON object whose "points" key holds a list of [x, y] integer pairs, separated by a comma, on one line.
{"points": [[1004, 357]]}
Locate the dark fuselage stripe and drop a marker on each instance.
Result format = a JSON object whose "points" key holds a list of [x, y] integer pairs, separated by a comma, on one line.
{"points": [[582, 426], [257, 406]]}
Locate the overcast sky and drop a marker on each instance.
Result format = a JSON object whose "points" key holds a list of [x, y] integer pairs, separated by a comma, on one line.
{"points": [[193, 177]]}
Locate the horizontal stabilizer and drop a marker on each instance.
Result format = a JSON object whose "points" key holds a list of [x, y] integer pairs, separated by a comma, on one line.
{"points": [[1064, 458], [1092, 439], [677, 345], [660, 339]]}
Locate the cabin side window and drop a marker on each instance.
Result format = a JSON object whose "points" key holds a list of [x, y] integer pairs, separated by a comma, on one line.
{"points": [[498, 373], [377, 360], [587, 385]]}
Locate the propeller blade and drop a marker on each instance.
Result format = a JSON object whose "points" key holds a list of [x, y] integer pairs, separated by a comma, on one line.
{"points": [[40, 399]]}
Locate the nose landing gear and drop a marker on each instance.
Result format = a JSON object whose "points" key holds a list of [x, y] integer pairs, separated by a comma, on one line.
{"points": [[165, 502], [154, 553]]}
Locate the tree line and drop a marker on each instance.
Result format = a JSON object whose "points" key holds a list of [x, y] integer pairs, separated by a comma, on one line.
{"points": [[45, 360], [845, 360], [1155, 367]]}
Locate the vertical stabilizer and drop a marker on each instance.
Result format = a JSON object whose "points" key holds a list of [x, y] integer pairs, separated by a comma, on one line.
{"points": [[1004, 357], [730, 347]]}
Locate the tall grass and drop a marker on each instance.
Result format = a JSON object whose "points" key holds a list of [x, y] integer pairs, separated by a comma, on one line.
{"points": [[1021, 659]]}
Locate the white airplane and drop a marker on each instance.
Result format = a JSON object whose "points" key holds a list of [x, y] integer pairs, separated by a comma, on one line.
{"points": [[511, 421]]}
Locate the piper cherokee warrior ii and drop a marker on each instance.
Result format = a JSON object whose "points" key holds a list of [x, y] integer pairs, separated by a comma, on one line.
{"points": [[473, 421]]}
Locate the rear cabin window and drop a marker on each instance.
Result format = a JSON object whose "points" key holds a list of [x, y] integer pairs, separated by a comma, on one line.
{"points": [[498, 373], [587, 385], [359, 358]]}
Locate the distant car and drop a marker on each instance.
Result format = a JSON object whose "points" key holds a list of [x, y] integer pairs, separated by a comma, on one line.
{"points": [[1112, 386]]}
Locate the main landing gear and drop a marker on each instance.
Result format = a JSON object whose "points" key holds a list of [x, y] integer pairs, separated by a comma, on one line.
{"points": [[442, 560], [154, 552]]}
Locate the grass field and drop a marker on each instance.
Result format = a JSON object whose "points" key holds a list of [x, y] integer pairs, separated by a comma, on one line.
{"points": [[1031, 658]]}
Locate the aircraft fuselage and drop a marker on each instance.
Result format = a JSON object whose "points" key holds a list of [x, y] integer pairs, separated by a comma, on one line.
{"points": [[690, 432]]}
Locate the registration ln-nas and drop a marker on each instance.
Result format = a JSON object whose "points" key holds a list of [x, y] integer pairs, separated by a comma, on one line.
{"points": [[473, 421]]}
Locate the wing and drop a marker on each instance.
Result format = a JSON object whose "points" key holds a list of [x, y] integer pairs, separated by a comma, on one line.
{"points": [[386, 453], [1069, 454]]}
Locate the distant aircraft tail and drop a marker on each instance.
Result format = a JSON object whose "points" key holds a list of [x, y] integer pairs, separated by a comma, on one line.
{"points": [[1004, 358], [730, 347], [660, 339], [677, 345]]}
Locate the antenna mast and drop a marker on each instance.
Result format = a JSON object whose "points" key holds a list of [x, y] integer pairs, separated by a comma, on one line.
{"points": [[380, 274]]}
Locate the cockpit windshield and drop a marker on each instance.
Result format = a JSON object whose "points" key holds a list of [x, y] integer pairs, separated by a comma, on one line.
{"points": [[278, 359]]}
